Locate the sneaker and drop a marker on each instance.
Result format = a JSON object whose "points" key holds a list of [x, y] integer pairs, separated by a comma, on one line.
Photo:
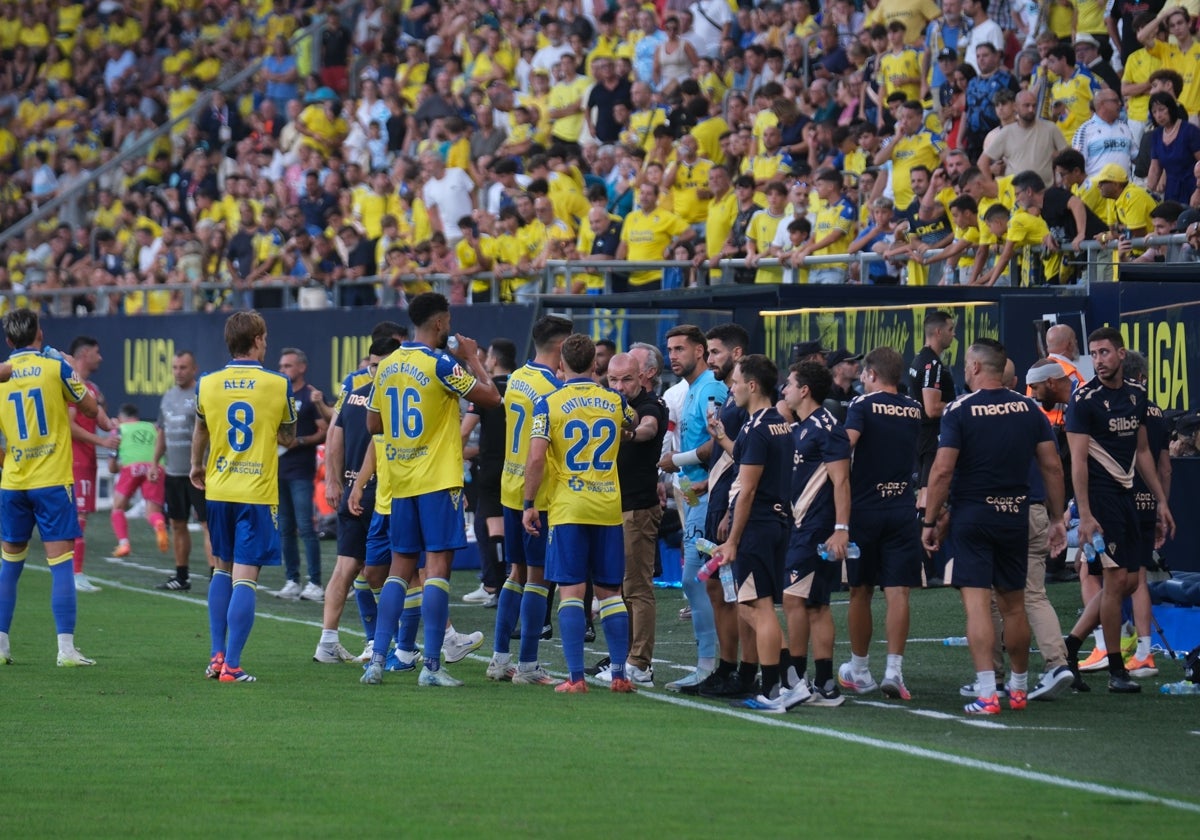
{"points": [[762, 703], [983, 706], [1117, 684], [691, 681], [972, 690], [330, 653], [439, 678], [312, 592], [501, 673], [214, 666], [1141, 667], [548, 633], [797, 694], [723, 686], [639, 676], [1097, 660], [74, 659], [122, 550], [492, 600], [174, 584], [1017, 699], [894, 688], [604, 675], [858, 683], [5, 654], [160, 537], [622, 685], [455, 648], [535, 676], [599, 668], [589, 635], [568, 687], [1053, 684], [365, 656], [830, 696], [685, 614], [477, 596], [1128, 640], [373, 675], [399, 661], [82, 584], [229, 675], [290, 591]]}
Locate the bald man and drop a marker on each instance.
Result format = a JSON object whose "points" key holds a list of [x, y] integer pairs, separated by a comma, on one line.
{"points": [[1063, 347]]}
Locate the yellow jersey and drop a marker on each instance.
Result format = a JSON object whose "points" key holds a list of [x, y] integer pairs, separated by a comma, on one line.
{"points": [[648, 235], [1138, 68], [33, 417], [1187, 65], [383, 487], [1076, 93], [921, 149], [722, 213], [642, 125], [582, 423], [416, 395], [905, 64], [244, 406], [836, 216], [708, 138], [689, 178], [563, 95], [762, 230], [526, 386]]}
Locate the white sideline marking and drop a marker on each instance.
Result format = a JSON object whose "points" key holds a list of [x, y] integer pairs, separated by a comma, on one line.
{"points": [[770, 720], [933, 755], [981, 723]]}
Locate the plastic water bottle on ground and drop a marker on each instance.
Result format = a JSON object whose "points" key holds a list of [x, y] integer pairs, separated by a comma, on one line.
{"points": [[955, 641], [1181, 687]]}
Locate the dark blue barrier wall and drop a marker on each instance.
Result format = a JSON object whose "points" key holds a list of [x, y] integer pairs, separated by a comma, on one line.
{"points": [[138, 351]]}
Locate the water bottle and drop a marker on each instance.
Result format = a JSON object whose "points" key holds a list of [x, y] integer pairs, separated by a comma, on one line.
{"points": [[728, 586], [852, 552], [706, 547], [955, 641], [452, 343], [1096, 547], [712, 407], [685, 487], [707, 570], [1181, 687], [50, 353]]}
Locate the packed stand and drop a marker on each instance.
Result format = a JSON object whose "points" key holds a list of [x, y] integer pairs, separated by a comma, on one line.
{"points": [[469, 144]]}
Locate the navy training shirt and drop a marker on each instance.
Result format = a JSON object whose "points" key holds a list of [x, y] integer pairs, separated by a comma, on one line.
{"points": [[818, 440], [881, 474], [1112, 416], [766, 440]]}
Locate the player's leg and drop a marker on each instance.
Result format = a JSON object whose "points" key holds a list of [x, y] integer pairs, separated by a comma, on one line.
{"points": [[16, 523], [351, 554], [606, 550], [1090, 577], [257, 545], [85, 503], [757, 573], [440, 530], [567, 566], [1141, 663], [981, 638], [154, 495], [222, 527], [696, 592], [1043, 620], [58, 527], [404, 552], [508, 604], [1016, 641], [534, 598], [820, 621], [408, 657], [179, 509], [862, 575], [641, 537], [120, 525]]}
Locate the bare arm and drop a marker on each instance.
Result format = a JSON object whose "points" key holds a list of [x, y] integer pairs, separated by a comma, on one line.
{"points": [[749, 476], [936, 493], [535, 468], [334, 466], [199, 450]]}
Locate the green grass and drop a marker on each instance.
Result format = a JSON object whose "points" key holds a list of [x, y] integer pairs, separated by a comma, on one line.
{"points": [[142, 745]]}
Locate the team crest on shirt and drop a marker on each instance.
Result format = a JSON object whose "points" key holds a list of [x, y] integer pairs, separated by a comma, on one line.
{"points": [[575, 483], [296, 404], [1106, 407], [220, 464]]}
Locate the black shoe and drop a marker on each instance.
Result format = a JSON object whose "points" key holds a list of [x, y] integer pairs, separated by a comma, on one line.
{"points": [[589, 635], [174, 584], [1121, 684], [602, 665], [548, 632], [725, 686], [515, 634]]}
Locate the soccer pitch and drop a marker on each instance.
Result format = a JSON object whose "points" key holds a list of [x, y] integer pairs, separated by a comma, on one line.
{"points": [[142, 744]]}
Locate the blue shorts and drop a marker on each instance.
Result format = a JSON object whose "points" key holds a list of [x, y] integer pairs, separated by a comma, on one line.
{"points": [[808, 576], [758, 569], [890, 542], [352, 534], [52, 509], [576, 552], [379, 541], [244, 533], [1118, 518], [519, 546], [429, 522], [988, 555]]}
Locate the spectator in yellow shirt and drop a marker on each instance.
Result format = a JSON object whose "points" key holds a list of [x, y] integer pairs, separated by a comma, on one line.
{"points": [[650, 233]]}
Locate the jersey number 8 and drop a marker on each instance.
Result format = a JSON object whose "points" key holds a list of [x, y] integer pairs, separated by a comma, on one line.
{"points": [[240, 417]]}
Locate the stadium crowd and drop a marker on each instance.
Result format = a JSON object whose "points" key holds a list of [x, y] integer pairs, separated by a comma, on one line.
{"points": [[476, 141]]}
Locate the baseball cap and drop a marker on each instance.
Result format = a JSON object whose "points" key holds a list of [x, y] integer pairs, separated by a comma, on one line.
{"points": [[948, 55], [1084, 38], [1114, 172], [805, 348], [842, 355]]}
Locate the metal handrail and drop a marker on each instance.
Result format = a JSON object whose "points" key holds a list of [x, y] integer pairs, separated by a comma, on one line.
{"points": [[139, 149]]}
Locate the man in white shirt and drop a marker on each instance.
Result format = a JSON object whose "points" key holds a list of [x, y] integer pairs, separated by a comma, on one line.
{"points": [[983, 30], [711, 20], [1105, 138], [548, 57], [448, 196]]}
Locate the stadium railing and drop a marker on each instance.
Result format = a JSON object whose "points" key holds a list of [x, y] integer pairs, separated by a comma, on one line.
{"points": [[140, 148]]}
